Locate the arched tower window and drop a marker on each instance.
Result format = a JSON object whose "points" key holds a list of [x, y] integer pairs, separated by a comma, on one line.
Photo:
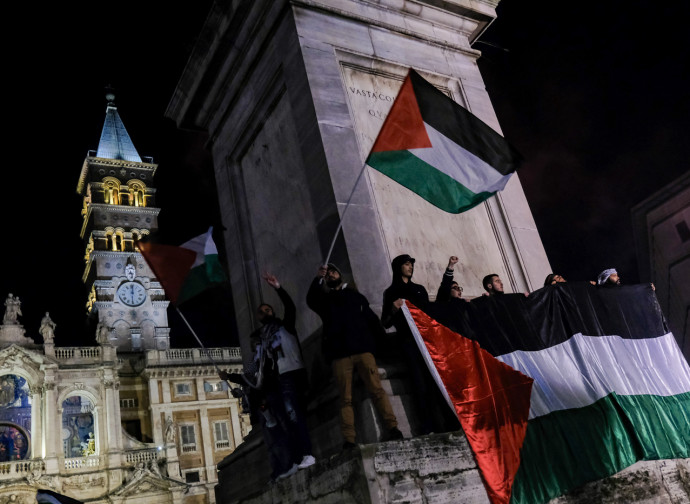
{"points": [[118, 239], [137, 193], [111, 191]]}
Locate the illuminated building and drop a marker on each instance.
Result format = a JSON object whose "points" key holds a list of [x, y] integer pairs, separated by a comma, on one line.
{"points": [[131, 419]]}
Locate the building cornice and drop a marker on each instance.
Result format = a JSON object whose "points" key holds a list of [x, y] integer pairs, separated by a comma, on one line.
{"points": [[111, 163]]}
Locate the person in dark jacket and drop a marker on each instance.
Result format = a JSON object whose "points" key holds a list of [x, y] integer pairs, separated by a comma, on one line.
{"points": [[450, 308], [435, 416], [280, 380], [349, 331]]}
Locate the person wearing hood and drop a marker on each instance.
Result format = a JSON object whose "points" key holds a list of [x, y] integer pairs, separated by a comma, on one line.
{"points": [[433, 416], [350, 328], [402, 288]]}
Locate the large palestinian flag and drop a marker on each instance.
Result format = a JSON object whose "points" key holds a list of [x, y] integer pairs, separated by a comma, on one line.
{"points": [[438, 149], [611, 386]]}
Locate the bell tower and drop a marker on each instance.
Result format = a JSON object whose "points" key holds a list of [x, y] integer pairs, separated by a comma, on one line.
{"points": [[119, 208]]}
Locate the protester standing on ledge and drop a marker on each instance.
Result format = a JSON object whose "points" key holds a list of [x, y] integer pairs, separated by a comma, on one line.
{"points": [[349, 331], [431, 407], [608, 278], [294, 386], [278, 375], [492, 284]]}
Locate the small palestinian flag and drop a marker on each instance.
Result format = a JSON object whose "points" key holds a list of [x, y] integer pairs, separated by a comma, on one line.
{"points": [[439, 150], [184, 270]]}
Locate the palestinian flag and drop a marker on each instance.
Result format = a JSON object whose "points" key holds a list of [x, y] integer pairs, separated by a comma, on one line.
{"points": [[184, 270], [490, 398], [611, 386], [439, 150]]}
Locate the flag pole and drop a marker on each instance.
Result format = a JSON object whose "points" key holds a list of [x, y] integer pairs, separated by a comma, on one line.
{"points": [[197, 338], [342, 217]]}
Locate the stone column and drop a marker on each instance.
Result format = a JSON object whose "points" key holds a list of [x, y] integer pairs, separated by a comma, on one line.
{"points": [[113, 427], [208, 443], [236, 425], [52, 420], [37, 447]]}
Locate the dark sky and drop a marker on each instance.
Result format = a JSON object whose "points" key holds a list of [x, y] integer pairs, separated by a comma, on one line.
{"points": [[593, 95]]}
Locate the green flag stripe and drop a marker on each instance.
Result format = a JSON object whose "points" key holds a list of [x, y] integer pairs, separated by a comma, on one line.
{"points": [[565, 449], [201, 278], [431, 184]]}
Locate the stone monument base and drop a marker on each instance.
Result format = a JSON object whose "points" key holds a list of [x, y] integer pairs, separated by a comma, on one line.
{"points": [[437, 468], [14, 334]]}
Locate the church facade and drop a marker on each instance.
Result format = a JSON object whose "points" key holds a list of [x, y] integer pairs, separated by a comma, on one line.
{"points": [[130, 419]]}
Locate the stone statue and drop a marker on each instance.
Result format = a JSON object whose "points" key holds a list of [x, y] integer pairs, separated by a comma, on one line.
{"points": [[12, 310], [102, 333], [47, 329], [169, 430], [153, 467]]}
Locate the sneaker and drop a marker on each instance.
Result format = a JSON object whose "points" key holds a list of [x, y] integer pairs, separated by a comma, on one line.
{"points": [[307, 461], [288, 473], [394, 434]]}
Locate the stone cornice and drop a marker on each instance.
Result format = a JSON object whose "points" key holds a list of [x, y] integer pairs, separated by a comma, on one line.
{"points": [[126, 209], [111, 163], [221, 59], [189, 371]]}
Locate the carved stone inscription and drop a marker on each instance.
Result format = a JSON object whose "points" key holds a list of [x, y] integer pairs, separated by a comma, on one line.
{"points": [[409, 223]]}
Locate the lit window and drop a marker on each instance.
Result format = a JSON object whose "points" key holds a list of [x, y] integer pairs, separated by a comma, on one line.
{"points": [[215, 387], [220, 431]]}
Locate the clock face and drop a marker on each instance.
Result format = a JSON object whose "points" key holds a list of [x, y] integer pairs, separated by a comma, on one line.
{"points": [[131, 293]]}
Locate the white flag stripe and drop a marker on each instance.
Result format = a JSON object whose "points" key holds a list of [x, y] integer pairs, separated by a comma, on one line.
{"points": [[448, 157], [202, 245], [584, 369]]}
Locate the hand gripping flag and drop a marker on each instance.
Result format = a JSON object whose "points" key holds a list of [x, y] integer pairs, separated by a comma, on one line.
{"points": [[438, 149], [184, 270]]}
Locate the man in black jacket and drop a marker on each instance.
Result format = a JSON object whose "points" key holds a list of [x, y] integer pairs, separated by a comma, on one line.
{"points": [[434, 415], [349, 331]]}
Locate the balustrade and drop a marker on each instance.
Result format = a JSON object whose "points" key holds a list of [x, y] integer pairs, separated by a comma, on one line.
{"points": [[134, 457], [78, 353], [9, 470], [81, 462]]}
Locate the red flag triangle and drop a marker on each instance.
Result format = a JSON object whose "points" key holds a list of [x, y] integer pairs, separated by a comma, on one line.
{"points": [[490, 398], [404, 127]]}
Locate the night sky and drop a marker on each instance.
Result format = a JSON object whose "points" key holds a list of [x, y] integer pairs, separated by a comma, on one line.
{"points": [[594, 96]]}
